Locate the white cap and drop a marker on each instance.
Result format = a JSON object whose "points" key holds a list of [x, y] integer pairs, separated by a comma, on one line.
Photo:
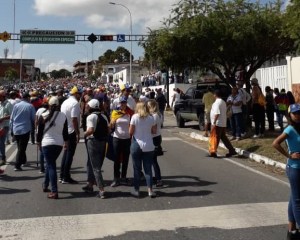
{"points": [[143, 98], [53, 101], [94, 103]]}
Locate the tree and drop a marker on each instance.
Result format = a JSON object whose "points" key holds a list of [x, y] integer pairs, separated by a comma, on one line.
{"points": [[44, 76], [62, 73], [224, 37], [11, 74]]}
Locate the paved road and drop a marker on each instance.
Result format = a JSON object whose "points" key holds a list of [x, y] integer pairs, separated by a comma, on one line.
{"points": [[203, 198]]}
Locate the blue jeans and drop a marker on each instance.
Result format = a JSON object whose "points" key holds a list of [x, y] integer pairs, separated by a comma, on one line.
{"points": [[67, 158], [236, 122], [294, 203], [42, 161], [2, 143], [51, 153], [140, 158], [96, 156]]}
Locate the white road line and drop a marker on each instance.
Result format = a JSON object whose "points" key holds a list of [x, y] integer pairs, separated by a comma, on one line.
{"points": [[103, 225], [11, 157]]}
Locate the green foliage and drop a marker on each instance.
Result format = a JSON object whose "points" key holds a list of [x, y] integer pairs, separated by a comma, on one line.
{"points": [[121, 54], [62, 73], [11, 74], [221, 36]]}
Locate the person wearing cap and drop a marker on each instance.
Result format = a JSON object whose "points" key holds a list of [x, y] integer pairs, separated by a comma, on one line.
{"points": [[5, 112], [291, 137], [71, 109], [126, 92], [21, 124], [120, 120], [96, 136], [52, 136]]}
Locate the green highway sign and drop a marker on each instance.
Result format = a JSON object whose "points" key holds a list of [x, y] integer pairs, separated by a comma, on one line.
{"points": [[47, 37]]}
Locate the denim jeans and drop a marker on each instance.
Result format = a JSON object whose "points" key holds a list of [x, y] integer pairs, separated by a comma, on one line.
{"points": [[140, 158], [293, 175], [51, 153], [96, 156], [157, 143], [122, 151], [236, 122], [2, 143], [67, 158], [22, 142], [42, 161]]}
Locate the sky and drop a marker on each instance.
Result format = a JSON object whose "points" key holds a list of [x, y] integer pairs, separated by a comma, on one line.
{"points": [[82, 16]]}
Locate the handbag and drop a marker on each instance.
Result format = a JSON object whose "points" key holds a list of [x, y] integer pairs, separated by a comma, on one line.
{"points": [[229, 111]]}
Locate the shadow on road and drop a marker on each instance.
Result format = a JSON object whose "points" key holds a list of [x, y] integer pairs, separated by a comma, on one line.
{"points": [[12, 190]]}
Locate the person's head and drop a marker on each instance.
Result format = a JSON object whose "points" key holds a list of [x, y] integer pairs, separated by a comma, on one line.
{"points": [[76, 93], [2, 95], [93, 105], [254, 82], [123, 102], [294, 113], [142, 110], [234, 90], [217, 93], [267, 89], [53, 103], [282, 91], [153, 106], [26, 96], [276, 91]]}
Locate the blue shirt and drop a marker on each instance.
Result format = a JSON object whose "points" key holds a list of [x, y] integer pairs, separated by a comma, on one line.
{"points": [[22, 118], [293, 142]]}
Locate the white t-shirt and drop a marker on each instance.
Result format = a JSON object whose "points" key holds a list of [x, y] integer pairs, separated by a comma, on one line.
{"points": [[130, 103], [235, 99], [122, 127], [54, 135], [40, 111], [142, 132], [71, 109], [158, 122], [219, 107], [91, 122]]}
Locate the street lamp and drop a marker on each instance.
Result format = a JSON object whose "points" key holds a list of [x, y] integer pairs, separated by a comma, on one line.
{"points": [[130, 59]]}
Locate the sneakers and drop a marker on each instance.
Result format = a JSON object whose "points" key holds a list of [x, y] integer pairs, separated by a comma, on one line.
{"points": [[135, 193], [45, 188], [69, 181], [238, 139], [159, 183], [53, 195], [256, 136], [294, 235], [152, 194], [214, 155], [18, 169], [60, 180], [115, 183], [88, 189], [125, 181], [243, 135], [232, 138], [101, 194]]}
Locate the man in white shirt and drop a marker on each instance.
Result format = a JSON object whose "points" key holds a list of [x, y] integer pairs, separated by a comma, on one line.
{"points": [[71, 109], [218, 119], [126, 92]]}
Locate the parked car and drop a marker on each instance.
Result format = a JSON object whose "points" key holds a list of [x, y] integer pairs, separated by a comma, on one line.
{"points": [[190, 106]]}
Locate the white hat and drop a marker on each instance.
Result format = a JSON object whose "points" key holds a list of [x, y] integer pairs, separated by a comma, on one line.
{"points": [[94, 103], [143, 98], [53, 101]]}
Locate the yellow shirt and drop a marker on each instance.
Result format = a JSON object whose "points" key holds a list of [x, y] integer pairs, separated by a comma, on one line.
{"points": [[208, 100]]}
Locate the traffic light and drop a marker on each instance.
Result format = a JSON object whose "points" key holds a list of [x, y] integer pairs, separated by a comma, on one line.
{"points": [[92, 38], [106, 37], [4, 36]]}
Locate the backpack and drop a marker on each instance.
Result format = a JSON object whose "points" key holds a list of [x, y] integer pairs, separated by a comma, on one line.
{"points": [[101, 130]]}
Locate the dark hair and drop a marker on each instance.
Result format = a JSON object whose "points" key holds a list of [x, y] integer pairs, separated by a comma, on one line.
{"points": [[295, 125], [217, 93]]}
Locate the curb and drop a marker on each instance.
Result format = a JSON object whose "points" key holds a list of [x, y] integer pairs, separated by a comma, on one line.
{"points": [[256, 157]]}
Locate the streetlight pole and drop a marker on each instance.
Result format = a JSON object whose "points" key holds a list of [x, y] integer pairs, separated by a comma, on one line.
{"points": [[130, 59]]}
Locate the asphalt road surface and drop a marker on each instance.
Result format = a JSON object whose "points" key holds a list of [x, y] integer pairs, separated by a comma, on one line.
{"points": [[202, 198]]}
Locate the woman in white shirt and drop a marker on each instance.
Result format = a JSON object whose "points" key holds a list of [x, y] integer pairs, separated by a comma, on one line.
{"points": [[142, 126], [157, 139], [120, 120], [52, 136]]}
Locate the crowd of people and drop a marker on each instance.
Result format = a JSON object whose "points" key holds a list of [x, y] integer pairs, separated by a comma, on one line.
{"points": [[117, 120]]}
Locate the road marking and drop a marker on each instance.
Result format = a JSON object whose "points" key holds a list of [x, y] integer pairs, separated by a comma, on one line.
{"points": [[103, 225], [11, 157]]}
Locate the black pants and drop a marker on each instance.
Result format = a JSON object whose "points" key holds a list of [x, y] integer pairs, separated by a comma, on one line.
{"points": [[270, 117], [22, 142], [122, 151], [67, 158], [259, 118]]}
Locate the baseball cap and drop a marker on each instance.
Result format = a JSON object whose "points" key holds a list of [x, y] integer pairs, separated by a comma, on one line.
{"points": [[75, 90], [93, 103], [123, 99], [294, 108], [53, 101]]}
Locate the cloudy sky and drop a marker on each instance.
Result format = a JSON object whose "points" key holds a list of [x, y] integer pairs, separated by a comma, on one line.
{"points": [[83, 16]]}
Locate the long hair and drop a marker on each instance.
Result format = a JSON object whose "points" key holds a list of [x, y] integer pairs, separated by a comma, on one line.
{"points": [[142, 110], [52, 109], [153, 107], [295, 125]]}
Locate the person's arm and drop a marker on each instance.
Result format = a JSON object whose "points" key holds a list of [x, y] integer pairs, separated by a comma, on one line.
{"points": [[89, 131], [215, 119], [154, 129], [277, 145], [131, 129], [76, 128]]}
